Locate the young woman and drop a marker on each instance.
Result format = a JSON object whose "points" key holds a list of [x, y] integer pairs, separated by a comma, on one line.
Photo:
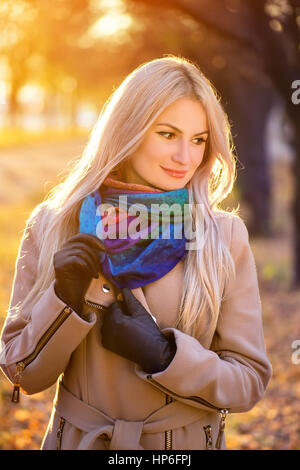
{"points": [[153, 343]]}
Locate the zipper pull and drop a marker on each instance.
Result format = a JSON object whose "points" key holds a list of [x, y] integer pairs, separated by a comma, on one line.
{"points": [[16, 391], [224, 414], [59, 433], [208, 436]]}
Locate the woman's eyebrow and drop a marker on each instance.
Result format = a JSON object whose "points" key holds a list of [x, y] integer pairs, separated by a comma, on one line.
{"points": [[176, 129]]}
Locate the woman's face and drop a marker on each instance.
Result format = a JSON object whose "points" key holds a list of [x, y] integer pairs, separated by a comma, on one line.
{"points": [[175, 142]]}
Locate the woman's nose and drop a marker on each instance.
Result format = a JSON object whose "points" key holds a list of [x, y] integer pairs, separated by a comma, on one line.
{"points": [[182, 155]]}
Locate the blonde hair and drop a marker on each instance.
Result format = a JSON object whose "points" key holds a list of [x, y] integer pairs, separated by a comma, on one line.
{"points": [[123, 121]]}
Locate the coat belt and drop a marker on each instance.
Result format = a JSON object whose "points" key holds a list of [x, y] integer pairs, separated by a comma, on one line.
{"points": [[122, 434]]}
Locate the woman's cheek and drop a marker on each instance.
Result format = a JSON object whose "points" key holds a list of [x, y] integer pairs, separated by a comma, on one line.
{"points": [[198, 159]]}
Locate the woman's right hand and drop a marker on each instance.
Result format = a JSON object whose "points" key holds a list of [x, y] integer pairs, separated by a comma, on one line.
{"points": [[75, 264]]}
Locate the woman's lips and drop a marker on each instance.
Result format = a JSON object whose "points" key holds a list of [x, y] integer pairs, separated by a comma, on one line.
{"points": [[175, 174]]}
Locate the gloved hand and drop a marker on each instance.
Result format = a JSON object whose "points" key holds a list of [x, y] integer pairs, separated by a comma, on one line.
{"points": [[130, 331], [78, 261]]}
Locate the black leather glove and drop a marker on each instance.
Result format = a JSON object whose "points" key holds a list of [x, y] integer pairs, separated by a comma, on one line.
{"points": [[130, 331], [78, 261]]}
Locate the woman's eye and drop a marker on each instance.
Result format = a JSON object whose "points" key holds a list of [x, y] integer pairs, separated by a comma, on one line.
{"points": [[164, 133], [200, 139]]}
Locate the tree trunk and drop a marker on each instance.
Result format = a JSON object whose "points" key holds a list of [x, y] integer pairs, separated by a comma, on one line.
{"points": [[250, 108]]}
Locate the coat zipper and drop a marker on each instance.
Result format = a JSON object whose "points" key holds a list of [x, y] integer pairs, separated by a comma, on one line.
{"points": [[224, 414], [41, 343], [93, 304], [60, 433], [168, 434], [223, 411], [208, 437]]}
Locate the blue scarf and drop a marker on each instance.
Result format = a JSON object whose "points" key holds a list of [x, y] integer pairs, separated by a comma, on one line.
{"points": [[155, 250]]}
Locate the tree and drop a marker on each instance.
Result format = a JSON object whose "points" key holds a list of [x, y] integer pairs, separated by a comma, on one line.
{"points": [[270, 28]]}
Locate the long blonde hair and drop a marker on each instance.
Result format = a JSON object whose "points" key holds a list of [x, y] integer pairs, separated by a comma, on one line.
{"points": [[123, 121]]}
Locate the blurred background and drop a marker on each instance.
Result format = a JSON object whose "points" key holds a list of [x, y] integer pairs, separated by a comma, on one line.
{"points": [[59, 62]]}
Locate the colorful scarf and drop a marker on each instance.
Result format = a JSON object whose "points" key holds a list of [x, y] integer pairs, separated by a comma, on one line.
{"points": [[154, 249]]}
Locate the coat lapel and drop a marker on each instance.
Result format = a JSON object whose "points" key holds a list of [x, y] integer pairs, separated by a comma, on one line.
{"points": [[161, 298]]}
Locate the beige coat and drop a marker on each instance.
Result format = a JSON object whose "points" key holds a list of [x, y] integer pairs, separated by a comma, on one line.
{"points": [[104, 401]]}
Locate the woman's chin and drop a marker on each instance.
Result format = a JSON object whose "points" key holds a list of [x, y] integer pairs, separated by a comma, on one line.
{"points": [[170, 187]]}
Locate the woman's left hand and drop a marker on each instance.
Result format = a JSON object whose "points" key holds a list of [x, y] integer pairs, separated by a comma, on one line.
{"points": [[130, 331]]}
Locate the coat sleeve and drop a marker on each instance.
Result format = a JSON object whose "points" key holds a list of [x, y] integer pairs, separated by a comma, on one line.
{"points": [[54, 331], [234, 373]]}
